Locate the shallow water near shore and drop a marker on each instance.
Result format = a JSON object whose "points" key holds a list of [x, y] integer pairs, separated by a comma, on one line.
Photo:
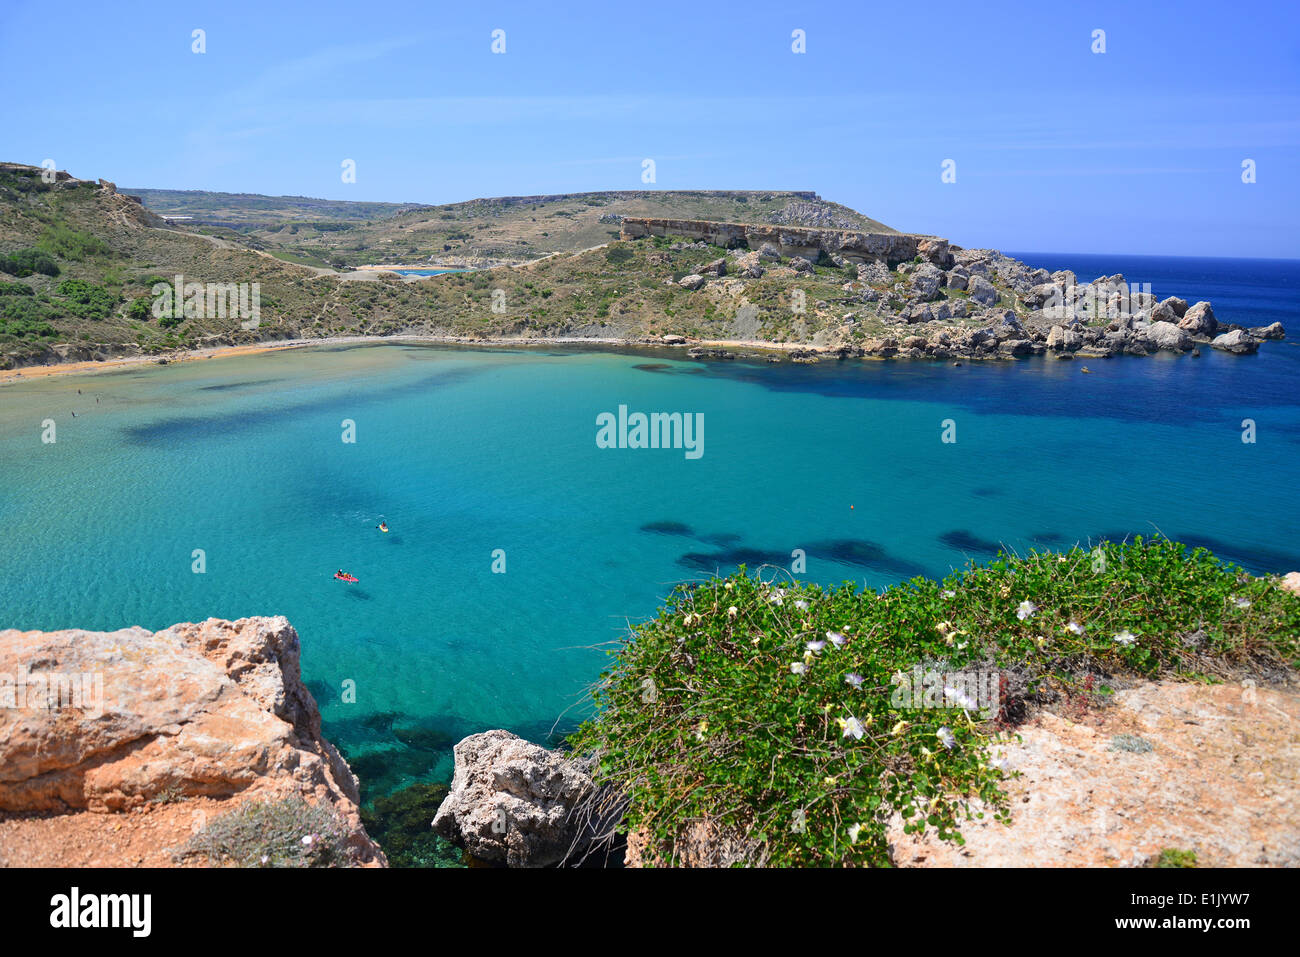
{"points": [[466, 451]]}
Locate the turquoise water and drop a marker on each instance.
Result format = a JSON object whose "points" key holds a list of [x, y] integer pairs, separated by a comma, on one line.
{"points": [[426, 272], [463, 452]]}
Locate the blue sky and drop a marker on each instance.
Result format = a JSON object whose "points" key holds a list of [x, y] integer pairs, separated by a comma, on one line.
{"points": [[1135, 150]]}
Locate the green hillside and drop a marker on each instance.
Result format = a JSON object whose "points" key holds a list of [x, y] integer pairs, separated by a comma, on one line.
{"points": [[504, 229]]}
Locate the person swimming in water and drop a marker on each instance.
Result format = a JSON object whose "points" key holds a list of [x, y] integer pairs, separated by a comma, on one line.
{"points": [[382, 526]]}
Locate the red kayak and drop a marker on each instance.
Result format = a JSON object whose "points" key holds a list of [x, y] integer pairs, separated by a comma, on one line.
{"points": [[346, 578]]}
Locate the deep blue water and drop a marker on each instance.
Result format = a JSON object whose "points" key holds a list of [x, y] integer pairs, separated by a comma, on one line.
{"points": [[466, 451], [1252, 292]]}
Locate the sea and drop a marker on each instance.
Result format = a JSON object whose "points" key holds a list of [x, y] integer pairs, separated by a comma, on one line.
{"points": [[520, 550]]}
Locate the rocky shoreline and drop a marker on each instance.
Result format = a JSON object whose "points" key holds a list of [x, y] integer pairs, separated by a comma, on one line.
{"points": [[946, 304], [1003, 309], [1005, 337]]}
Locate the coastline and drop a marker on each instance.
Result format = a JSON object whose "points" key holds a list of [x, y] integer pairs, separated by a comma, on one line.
{"points": [[91, 366]]}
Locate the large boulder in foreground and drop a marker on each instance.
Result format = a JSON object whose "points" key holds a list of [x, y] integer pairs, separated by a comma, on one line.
{"points": [[517, 803], [146, 722]]}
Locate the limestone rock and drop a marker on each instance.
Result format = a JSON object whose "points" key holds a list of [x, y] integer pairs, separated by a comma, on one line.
{"points": [[982, 291], [1217, 779], [936, 251], [1040, 295], [1198, 320], [918, 312], [693, 281], [512, 801], [1163, 312], [1271, 331], [749, 265], [1237, 341], [1166, 335], [873, 272], [925, 282], [1061, 339], [1179, 306], [210, 710]]}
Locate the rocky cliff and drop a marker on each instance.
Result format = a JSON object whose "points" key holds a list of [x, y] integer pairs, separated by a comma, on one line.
{"points": [[118, 747], [810, 243]]}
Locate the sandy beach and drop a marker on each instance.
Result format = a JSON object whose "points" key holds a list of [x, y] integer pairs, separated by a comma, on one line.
{"points": [[87, 367]]}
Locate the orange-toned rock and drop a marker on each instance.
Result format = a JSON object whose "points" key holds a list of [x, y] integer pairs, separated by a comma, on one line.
{"points": [[105, 722], [1169, 765]]}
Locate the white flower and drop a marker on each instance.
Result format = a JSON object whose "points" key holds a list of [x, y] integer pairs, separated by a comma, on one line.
{"points": [[852, 728], [946, 738], [1075, 628], [733, 611], [265, 858], [835, 638], [947, 593], [854, 831], [1125, 638], [798, 668], [998, 761], [853, 680], [1241, 602], [308, 838], [1027, 609], [815, 646], [963, 700], [801, 605], [777, 597]]}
